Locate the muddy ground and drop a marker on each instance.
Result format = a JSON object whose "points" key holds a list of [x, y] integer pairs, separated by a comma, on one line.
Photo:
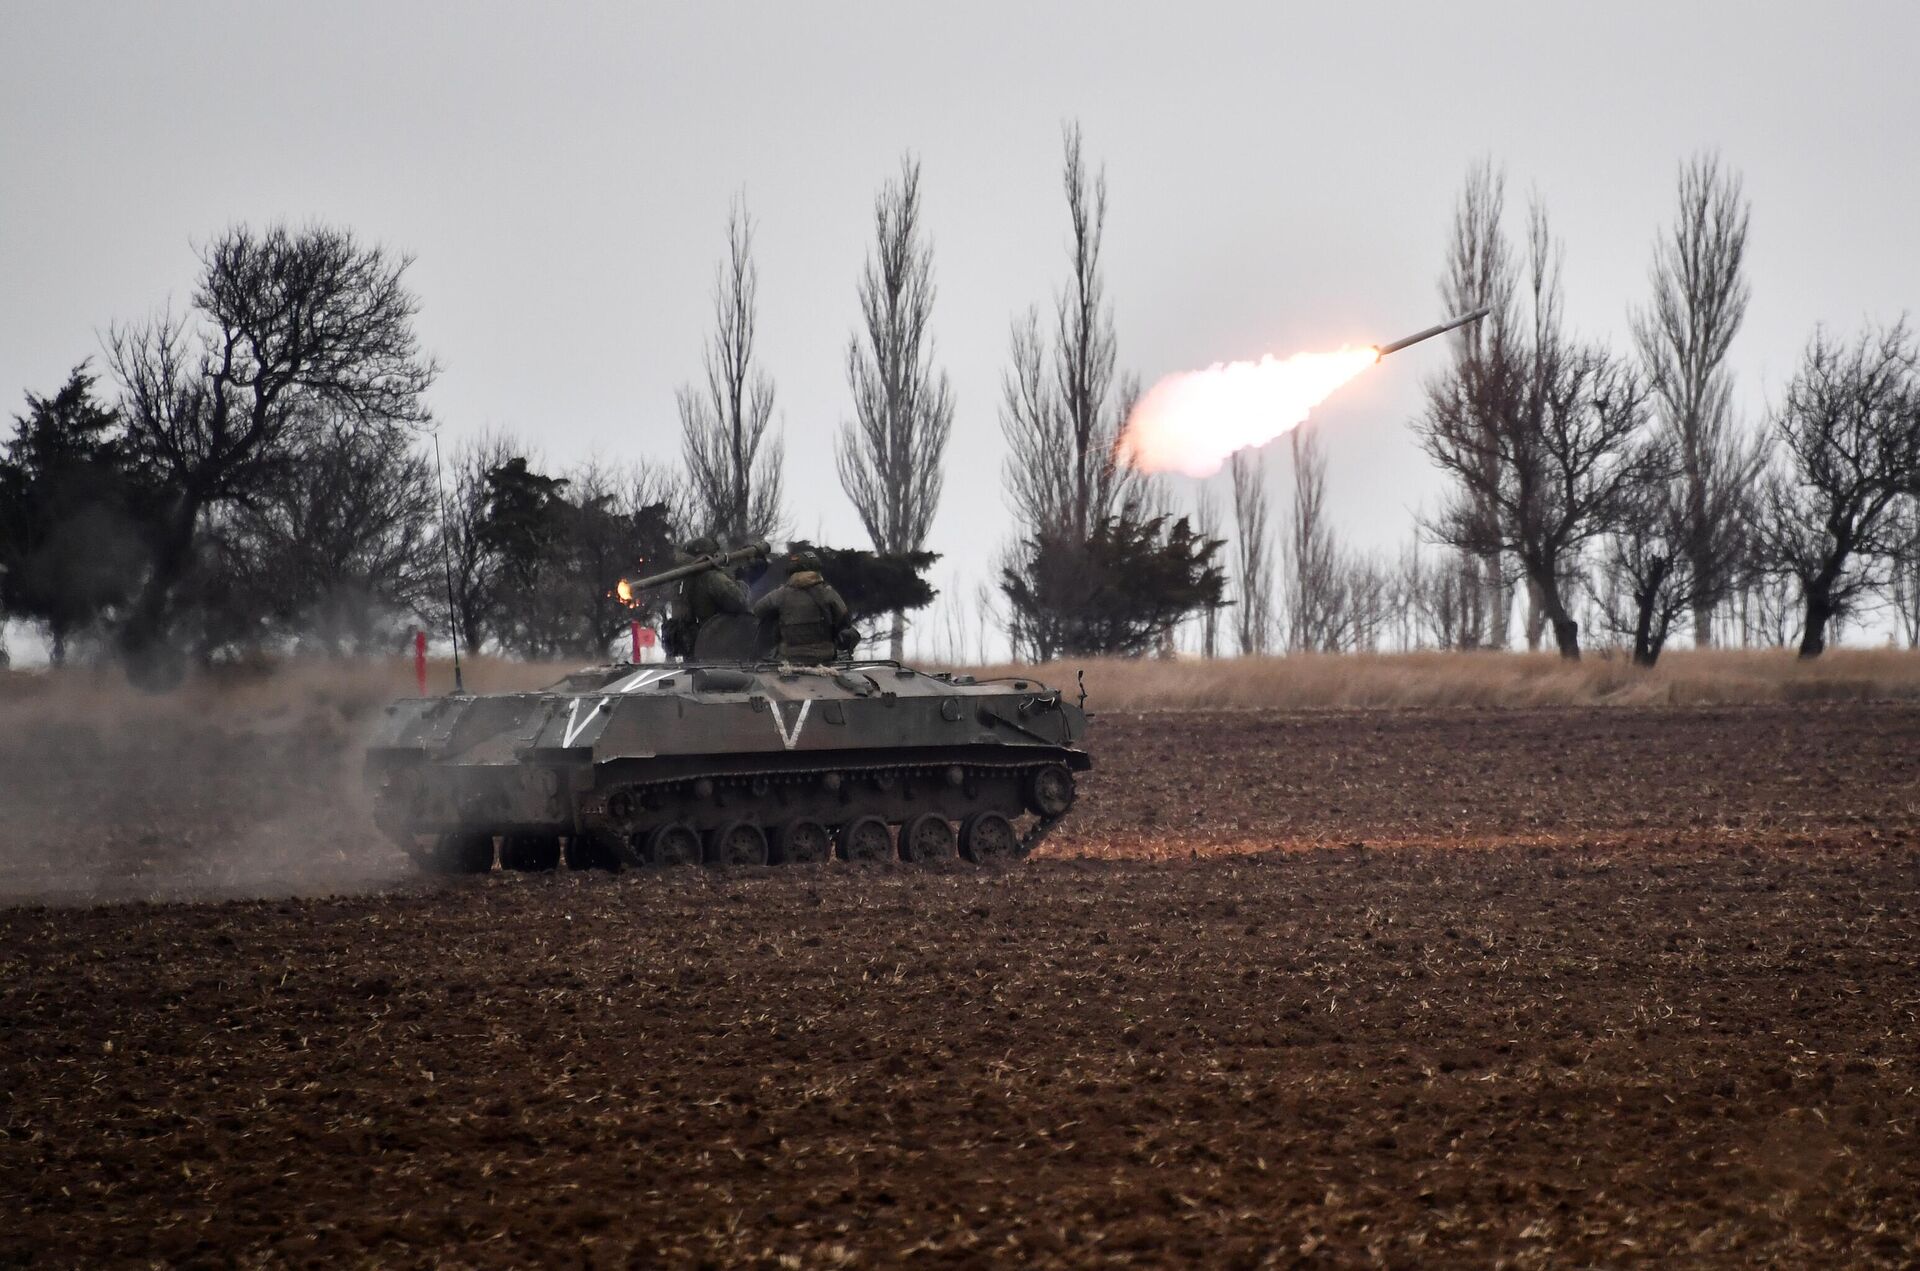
{"points": [[1410, 988]]}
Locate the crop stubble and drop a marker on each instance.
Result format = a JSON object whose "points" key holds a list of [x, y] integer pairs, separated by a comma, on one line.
{"points": [[1663, 1008]]}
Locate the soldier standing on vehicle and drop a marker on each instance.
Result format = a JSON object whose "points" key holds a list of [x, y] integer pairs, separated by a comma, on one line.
{"points": [[813, 619]]}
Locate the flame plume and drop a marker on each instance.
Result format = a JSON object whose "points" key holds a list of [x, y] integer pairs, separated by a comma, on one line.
{"points": [[1191, 422]]}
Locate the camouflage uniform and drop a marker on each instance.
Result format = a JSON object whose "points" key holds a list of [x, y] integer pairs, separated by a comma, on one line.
{"points": [[713, 592], [810, 612], [708, 595]]}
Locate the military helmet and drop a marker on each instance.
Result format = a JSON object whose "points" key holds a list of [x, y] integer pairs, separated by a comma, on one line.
{"points": [[799, 561], [702, 546]]}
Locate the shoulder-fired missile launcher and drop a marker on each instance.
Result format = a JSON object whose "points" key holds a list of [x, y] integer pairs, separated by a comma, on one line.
{"points": [[728, 763]]}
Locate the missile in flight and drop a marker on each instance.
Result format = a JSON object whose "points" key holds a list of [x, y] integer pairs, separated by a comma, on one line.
{"points": [[1430, 332]]}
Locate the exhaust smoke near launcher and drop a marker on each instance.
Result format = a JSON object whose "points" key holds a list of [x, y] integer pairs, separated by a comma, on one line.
{"points": [[1190, 422]]}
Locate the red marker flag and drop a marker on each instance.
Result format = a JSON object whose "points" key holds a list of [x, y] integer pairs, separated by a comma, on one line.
{"points": [[420, 660]]}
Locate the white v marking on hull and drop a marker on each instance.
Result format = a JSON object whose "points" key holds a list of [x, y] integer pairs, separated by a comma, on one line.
{"points": [[790, 736], [576, 725], [640, 680]]}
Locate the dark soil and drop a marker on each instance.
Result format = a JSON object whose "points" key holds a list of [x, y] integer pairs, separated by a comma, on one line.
{"points": [[1247, 780], [1604, 986]]}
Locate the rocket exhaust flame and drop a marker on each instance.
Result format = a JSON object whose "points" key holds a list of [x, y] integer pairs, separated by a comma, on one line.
{"points": [[1191, 422], [625, 593]]}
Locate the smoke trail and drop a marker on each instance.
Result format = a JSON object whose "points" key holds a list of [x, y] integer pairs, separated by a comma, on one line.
{"points": [[1191, 422]]}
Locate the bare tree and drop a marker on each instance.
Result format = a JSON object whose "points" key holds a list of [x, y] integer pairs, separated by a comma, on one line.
{"points": [[952, 647], [1535, 625], [1543, 432], [1458, 617], [1700, 298], [1480, 272], [985, 604], [471, 571], [1450, 600], [732, 456], [340, 551], [1253, 545], [1432, 604], [1093, 569], [1905, 583], [216, 404], [1769, 610], [1645, 579], [618, 521], [663, 489], [1315, 595], [1206, 523], [1369, 591], [1649, 569], [1412, 579], [1057, 409], [1849, 431], [890, 453]]}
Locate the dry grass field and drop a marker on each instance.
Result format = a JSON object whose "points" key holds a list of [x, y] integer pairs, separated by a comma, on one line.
{"points": [[1395, 961], [1295, 682], [1426, 680]]}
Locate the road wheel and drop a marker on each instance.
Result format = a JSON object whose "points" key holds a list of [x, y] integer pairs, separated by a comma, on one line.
{"points": [[1050, 790], [987, 837], [802, 843], [592, 851], [737, 843], [675, 843], [867, 839], [927, 838], [462, 854], [530, 852]]}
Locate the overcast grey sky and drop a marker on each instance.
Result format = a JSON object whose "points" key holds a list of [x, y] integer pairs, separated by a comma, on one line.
{"points": [[1281, 177]]}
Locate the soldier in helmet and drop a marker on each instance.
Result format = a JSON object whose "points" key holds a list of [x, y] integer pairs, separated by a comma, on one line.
{"points": [[812, 618], [712, 609]]}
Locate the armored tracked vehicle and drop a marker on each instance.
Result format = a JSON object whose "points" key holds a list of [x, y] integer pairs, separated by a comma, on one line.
{"points": [[730, 763]]}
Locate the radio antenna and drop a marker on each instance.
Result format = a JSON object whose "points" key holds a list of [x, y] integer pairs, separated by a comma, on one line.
{"points": [[446, 552]]}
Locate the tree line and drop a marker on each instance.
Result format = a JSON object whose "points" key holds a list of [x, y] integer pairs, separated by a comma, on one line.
{"points": [[1621, 483], [1612, 495], [260, 470]]}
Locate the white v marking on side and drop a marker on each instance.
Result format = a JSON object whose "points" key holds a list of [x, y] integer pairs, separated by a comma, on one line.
{"points": [[789, 737], [576, 725]]}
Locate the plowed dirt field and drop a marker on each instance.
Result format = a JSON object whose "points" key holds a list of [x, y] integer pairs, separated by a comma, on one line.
{"points": [[1571, 986]]}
